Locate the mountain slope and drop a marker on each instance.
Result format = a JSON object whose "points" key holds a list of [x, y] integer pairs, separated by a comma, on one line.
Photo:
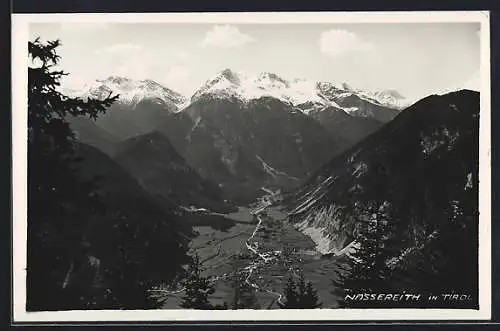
{"points": [[110, 246], [127, 202], [88, 132], [424, 166], [351, 128], [162, 171], [264, 142]]}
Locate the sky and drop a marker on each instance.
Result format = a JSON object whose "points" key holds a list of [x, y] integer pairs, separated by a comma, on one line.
{"points": [[416, 59]]}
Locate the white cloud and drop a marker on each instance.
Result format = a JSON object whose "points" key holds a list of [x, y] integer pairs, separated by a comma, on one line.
{"points": [[340, 42], [129, 60], [226, 36], [177, 78]]}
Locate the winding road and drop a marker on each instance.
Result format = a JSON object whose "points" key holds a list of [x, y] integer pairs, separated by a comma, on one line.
{"points": [[253, 246], [264, 256]]}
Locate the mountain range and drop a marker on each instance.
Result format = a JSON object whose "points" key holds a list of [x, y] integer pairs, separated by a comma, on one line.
{"points": [[132, 92], [297, 92], [238, 131]]}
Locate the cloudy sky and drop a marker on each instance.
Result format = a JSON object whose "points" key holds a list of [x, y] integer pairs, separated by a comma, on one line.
{"points": [[416, 59]]}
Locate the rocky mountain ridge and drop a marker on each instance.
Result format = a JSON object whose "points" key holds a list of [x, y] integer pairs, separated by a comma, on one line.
{"points": [[418, 163]]}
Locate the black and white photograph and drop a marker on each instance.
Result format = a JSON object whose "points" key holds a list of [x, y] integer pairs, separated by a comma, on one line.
{"points": [[252, 162]]}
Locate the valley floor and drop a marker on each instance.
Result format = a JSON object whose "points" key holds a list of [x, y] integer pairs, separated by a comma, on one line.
{"points": [[264, 248]]}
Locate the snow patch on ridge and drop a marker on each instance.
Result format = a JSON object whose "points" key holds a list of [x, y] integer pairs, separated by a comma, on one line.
{"points": [[468, 184], [196, 124], [273, 172], [312, 197]]}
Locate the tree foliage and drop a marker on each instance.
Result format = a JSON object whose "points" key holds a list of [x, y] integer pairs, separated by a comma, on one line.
{"points": [[243, 294], [447, 262], [55, 194], [381, 264], [370, 267], [300, 294], [197, 287]]}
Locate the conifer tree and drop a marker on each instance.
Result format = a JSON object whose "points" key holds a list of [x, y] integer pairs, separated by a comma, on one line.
{"points": [[69, 264], [447, 260], [236, 284], [369, 270], [291, 298], [197, 287], [311, 297], [307, 296], [301, 287], [300, 294], [55, 194]]}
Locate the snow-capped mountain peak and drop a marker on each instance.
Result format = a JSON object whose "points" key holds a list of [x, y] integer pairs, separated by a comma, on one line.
{"points": [[117, 80], [131, 91], [388, 97], [303, 94], [232, 76], [245, 87], [269, 80], [389, 94]]}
